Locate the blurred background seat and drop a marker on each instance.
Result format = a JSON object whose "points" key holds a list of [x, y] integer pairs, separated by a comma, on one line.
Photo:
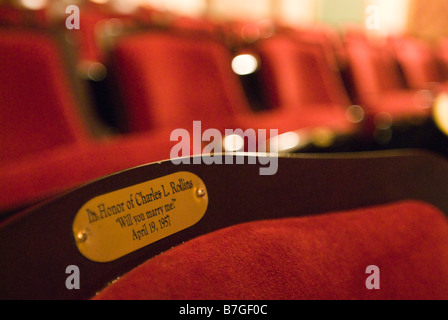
{"points": [[145, 67], [378, 83], [169, 80], [419, 62], [46, 145], [301, 76]]}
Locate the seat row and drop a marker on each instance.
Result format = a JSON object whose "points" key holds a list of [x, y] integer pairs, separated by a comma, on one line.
{"points": [[167, 79]]}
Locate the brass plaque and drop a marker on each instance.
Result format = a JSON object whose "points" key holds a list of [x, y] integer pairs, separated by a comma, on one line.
{"points": [[115, 224]]}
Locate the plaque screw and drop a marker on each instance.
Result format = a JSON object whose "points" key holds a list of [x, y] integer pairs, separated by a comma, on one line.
{"points": [[200, 192], [81, 236]]}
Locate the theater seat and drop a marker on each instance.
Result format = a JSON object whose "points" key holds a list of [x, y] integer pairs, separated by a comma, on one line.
{"points": [[311, 258], [168, 81], [301, 76], [47, 142], [378, 85], [313, 230], [325, 35], [419, 63]]}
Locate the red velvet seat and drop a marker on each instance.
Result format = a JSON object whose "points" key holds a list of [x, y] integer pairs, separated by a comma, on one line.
{"points": [[419, 63], [378, 85], [316, 257], [287, 236], [300, 75], [325, 35], [169, 80], [46, 146]]}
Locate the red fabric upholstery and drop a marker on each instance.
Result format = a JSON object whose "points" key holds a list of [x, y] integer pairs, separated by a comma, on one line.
{"points": [[37, 109], [45, 146], [324, 35], [30, 179], [418, 61], [400, 104], [300, 76], [377, 81], [168, 81], [317, 257]]}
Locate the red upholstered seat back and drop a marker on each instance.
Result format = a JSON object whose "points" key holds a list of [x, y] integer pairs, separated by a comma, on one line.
{"points": [[168, 81], [417, 60], [317, 257], [372, 66], [37, 111], [298, 74]]}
